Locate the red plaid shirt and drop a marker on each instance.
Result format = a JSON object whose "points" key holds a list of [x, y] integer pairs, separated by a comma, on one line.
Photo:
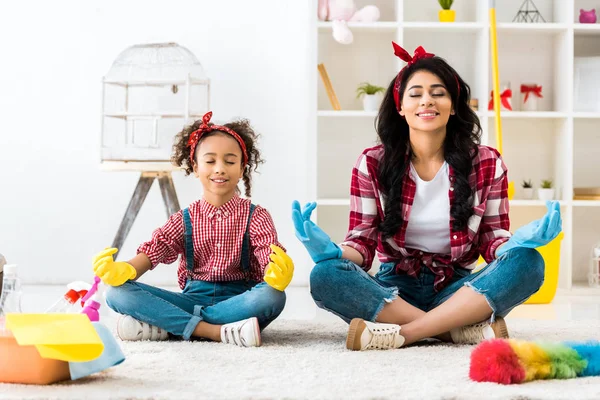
{"points": [[487, 228], [218, 234]]}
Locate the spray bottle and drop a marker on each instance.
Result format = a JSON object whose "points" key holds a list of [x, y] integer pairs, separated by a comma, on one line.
{"points": [[92, 302]]}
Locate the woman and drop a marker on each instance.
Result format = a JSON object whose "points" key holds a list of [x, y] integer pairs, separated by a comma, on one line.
{"points": [[430, 200]]}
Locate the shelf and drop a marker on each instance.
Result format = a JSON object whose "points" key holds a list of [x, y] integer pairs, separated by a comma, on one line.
{"points": [[150, 116], [541, 28], [333, 202], [444, 26], [533, 203], [362, 26], [586, 203], [587, 29], [586, 115], [348, 113], [529, 114]]}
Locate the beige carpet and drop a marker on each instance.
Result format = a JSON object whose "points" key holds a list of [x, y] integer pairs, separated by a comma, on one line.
{"points": [[306, 360]]}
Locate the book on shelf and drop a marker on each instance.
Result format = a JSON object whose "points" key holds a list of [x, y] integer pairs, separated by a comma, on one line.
{"points": [[329, 88], [586, 194]]}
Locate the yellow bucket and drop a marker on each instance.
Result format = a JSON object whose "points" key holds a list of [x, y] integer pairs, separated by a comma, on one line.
{"points": [[551, 255]]}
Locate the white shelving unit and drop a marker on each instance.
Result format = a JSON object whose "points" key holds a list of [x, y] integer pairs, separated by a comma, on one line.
{"points": [[557, 142]]}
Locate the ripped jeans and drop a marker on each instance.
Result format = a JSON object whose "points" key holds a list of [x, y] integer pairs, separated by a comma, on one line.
{"points": [[346, 290]]}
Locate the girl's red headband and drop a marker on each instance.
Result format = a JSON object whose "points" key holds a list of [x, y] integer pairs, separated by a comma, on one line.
{"points": [[205, 127], [419, 54]]}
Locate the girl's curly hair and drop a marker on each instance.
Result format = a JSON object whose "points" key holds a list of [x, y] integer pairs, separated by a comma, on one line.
{"points": [[181, 151]]}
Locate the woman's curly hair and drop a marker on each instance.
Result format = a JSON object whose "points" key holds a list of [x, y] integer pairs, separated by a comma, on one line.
{"points": [[181, 151], [463, 135]]}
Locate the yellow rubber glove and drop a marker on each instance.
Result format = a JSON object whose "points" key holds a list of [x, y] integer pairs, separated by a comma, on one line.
{"points": [[113, 273], [280, 270]]}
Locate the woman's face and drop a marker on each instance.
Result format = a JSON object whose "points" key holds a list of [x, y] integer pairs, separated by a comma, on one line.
{"points": [[426, 103]]}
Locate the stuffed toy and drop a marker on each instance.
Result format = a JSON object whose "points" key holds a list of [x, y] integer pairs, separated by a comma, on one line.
{"points": [[509, 361], [340, 12]]}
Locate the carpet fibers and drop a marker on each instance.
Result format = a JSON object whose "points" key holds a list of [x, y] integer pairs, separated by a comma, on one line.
{"points": [[308, 360]]}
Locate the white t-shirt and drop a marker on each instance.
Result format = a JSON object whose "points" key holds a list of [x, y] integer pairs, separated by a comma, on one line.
{"points": [[429, 220]]}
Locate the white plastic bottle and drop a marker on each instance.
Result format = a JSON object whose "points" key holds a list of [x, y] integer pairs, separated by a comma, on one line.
{"points": [[10, 301], [66, 304]]}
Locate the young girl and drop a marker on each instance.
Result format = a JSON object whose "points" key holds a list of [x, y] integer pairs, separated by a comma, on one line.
{"points": [[429, 200], [225, 242]]}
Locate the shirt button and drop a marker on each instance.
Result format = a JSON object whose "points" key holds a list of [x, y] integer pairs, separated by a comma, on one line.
{"points": [[451, 188], [454, 237], [421, 253], [454, 259], [219, 219], [405, 261], [218, 245], [215, 267]]}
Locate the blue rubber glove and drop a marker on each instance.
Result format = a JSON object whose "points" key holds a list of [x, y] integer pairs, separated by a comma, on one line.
{"points": [[536, 233], [318, 243]]}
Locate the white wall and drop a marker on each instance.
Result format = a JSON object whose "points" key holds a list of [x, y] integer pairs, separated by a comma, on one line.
{"points": [[57, 208]]}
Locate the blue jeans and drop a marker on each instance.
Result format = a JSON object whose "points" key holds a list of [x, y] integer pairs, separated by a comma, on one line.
{"points": [[345, 289], [213, 302]]}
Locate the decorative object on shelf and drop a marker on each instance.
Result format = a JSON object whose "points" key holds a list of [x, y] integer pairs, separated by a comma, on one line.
{"points": [[371, 95], [527, 189], [505, 98], [474, 104], [530, 92], [546, 190], [340, 12], [586, 84], [594, 275], [446, 14], [587, 17], [329, 88], [528, 12], [586, 193]]}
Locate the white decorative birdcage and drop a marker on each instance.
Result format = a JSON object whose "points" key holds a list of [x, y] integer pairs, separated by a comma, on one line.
{"points": [[149, 94]]}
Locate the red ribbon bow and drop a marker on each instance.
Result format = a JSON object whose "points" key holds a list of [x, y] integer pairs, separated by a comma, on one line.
{"points": [[535, 89], [419, 54], [504, 97], [205, 128]]}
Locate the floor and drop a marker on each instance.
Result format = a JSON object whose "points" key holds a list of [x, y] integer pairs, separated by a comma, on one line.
{"points": [[300, 306]]}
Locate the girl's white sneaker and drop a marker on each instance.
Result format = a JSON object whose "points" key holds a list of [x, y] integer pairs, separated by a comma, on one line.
{"points": [[129, 328], [244, 333]]}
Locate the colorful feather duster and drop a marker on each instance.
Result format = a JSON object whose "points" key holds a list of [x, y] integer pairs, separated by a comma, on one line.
{"points": [[509, 361]]}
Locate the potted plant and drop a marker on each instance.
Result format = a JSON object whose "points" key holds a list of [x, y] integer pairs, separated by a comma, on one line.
{"points": [[446, 14], [546, 190], [370, 94], [527, 189]]}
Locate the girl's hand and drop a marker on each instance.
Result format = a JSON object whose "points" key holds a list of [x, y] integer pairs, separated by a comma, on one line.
{"points": [[113, 273], [318, 243], [280, 270]]}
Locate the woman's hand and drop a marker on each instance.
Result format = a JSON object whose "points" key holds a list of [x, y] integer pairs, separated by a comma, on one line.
{"points": [[318, 243], [536, 233], [280, 270]]}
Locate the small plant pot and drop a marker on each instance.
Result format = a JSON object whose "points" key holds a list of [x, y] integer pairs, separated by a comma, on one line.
{"points": [[371, 102], [447, 15], [545, 194], [528, 193]]}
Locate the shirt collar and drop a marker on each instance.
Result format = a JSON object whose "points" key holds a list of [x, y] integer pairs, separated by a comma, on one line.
{"points": [[224, 211]]}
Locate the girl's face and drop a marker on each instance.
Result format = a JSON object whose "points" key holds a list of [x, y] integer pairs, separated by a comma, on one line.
{"points": [[426, 103], [219, 167]]}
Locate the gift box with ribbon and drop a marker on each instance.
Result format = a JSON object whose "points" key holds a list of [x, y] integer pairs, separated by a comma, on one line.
{"points": [[47, 348], [530, 92], [505, 99]]}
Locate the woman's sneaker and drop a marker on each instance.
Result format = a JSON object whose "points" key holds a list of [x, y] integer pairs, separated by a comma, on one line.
{"points": [[476, 333], [365, 335], [244, 333], [129, 328]]}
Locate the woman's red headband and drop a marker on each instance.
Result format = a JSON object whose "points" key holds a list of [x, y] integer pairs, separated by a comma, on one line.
{"points": [[206, 127], [419, 54]]}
